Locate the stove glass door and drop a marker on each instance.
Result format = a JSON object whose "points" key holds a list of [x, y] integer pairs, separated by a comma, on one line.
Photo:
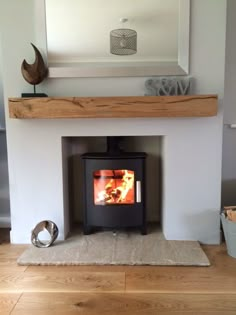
{"points": [[113, 187]]}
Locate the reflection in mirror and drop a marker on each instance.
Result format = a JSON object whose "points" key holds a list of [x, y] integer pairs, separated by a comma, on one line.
{"points": [[78, 37]]}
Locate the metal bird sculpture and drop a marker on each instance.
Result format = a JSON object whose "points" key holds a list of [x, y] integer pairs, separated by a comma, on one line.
{"points": [[36, 72]]}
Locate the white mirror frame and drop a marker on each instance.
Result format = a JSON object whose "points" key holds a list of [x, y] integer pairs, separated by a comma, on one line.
{"points": [[110, 69]]}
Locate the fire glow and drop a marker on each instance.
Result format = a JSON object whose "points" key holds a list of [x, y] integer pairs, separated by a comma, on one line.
{"points": [[113, 187]]}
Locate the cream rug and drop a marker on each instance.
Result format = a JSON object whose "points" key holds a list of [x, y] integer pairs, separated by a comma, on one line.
{"points": [[123, 248]]}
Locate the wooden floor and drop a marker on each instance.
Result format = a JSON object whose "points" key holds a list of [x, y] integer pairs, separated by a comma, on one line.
{"points": [[117, 290]]}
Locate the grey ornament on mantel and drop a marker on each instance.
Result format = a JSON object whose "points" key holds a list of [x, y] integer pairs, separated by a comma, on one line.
{"points": [[168, 86]]}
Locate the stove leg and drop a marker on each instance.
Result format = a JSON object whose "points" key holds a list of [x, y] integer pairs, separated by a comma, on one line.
{"points": [[144, 230], [87, 230]]}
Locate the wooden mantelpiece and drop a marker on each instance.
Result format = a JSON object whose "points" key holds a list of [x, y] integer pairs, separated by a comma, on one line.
{"points": [[114, 107]]}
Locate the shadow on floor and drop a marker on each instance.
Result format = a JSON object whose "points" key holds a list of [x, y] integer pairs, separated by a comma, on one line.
{"points": [[4, 235]]}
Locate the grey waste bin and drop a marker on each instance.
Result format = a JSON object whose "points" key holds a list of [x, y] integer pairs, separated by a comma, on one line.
{"points": [[229, 229]]}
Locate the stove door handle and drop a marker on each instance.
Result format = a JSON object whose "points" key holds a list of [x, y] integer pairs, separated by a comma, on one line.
{"points": [[138, 191]]}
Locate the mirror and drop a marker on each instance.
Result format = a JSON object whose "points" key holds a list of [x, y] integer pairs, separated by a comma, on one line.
{"points": [[78, 37]]}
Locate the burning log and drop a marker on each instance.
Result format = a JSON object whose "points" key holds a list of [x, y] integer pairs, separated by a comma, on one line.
{"points": [[117, 188]]}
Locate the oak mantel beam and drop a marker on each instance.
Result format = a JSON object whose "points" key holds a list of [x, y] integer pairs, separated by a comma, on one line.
{"points": [[113, 107]]}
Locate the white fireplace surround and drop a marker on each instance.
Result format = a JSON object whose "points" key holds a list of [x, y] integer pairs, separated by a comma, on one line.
{"points": [[191, 172]]}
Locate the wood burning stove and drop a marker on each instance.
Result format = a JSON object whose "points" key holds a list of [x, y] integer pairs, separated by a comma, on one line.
{"points": [[114, 189]]}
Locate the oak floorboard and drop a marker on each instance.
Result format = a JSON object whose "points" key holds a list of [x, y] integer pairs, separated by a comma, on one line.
{"points": [[7, 302], [128, 290], [220, 277], [124, 304], [8, 258], [62, 282]]}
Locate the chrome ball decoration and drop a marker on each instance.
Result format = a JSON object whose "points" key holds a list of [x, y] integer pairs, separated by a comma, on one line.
{"points": [[49, 226]]}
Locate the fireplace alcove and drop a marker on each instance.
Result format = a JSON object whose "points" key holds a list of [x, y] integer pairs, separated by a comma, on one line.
{"points": [[75, 147]]}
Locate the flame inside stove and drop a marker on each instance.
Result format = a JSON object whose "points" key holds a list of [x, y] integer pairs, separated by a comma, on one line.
{"points": [[113, 187]]}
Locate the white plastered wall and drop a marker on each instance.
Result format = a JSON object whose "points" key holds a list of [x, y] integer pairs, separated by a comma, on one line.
{"points": [[192, 146]]}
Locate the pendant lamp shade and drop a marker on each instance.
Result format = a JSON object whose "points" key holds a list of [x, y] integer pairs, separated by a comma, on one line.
{"points": [[123, 41]]}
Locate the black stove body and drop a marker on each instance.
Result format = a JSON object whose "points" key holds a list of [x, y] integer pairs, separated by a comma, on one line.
{"points": [[114, 190]]}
